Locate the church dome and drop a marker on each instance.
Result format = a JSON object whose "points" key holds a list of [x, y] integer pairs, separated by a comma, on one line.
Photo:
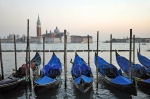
{"points": [[56, 30]]}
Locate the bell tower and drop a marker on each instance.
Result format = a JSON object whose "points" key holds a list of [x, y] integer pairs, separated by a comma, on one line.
{"points": [[38, 27]]}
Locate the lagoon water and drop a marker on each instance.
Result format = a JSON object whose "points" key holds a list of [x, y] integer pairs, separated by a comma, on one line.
{"points": [[104, 91]]}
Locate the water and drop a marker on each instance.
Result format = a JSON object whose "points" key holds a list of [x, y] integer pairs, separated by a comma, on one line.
{"points": [[104, 91]]}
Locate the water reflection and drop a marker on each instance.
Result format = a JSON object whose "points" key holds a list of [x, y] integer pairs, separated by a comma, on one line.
{"points": [[49, 94], [80, 95], [146, 91]]}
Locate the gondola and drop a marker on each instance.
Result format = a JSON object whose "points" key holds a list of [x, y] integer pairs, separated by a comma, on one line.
{"points": [[50, 76], [113, 77], [18, 77], [137, 71], [81, 74], [145, 62], [34, 65]]}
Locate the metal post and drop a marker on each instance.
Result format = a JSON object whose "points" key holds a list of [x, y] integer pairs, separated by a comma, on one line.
{"points": [[15, 53], [88, 51], [1, 59], [43, 51], [110, 48], [65, 58]]}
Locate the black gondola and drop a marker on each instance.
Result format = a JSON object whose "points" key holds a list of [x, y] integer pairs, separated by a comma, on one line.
{"points": [[138, 72], [50, 76], [81, 74], [112, 76], [17, 78]]}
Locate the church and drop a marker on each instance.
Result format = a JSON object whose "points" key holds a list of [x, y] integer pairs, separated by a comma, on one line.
{"points": [[51, 37]]}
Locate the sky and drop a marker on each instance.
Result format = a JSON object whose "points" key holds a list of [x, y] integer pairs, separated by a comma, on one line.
{"points": [[78, 17]]}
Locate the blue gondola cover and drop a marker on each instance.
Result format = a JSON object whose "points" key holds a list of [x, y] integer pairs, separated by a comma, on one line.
{"points": [[147, 80], [44, 80], [123, 63], [53, 67], [144, 60], [80, 67], [83, 77], [121, 80]]}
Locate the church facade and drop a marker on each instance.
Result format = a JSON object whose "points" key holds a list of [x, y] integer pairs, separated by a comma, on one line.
{"points": [[51, 37]]}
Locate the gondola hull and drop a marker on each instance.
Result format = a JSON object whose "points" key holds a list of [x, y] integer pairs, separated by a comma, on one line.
{"points": [[130, 88], [139, 72], [41, 88], [6, 86], [83, 87], [81, 74], [142, 85], [50, 76], [18, 77]]}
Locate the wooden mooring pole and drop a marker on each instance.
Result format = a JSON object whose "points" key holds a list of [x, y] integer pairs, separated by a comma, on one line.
{"points": [[88, 51], [134, 49], [65, 58], [110, 48], [15, 53], [1, 59], [139, 46], [43, 51], [133, 75], [130, 53], [28, 54], [97, 60]]}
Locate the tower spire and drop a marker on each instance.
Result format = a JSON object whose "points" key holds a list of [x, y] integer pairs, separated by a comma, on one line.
{"points": [[38, 27], [38, 19]]}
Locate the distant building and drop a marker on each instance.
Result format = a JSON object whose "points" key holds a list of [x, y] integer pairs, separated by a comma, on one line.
{"points": [[51, 37], [7, 40], [85, 39], [55, 37], [76, 39], [68, 38], [35, 39], [127, 40], [81, 39]]}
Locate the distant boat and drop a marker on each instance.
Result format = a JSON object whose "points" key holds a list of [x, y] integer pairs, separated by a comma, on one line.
{"points": [[143, 43], [81, 74]]}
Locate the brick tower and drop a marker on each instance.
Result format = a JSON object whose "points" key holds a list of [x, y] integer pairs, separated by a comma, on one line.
{"points": [[38, 27]]}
